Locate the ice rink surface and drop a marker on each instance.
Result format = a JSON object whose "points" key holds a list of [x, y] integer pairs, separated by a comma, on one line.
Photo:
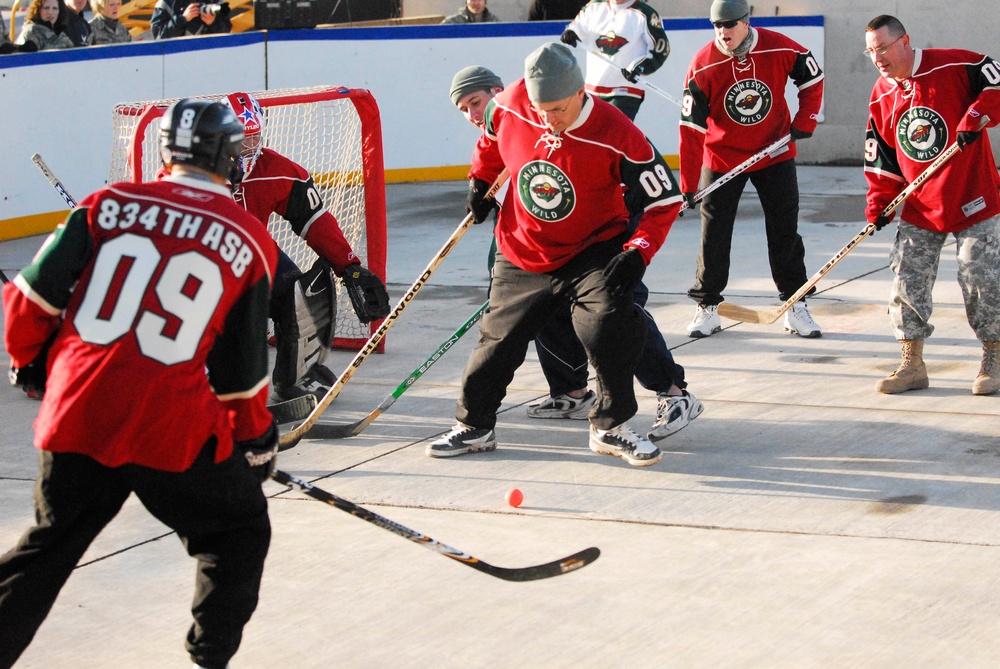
{"points": [[802, 521]]}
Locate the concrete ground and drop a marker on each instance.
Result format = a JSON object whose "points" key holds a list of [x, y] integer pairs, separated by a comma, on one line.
{"points": [[802, 521]]}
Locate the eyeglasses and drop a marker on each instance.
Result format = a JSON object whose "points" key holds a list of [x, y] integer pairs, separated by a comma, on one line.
{"points": [[728, 25], [882, 49]]}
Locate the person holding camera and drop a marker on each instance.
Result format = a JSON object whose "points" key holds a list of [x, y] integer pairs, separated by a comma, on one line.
{"points": [[177, 18]]}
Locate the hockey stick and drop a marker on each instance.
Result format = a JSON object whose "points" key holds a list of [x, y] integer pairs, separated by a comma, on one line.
{"points": [[295, 435], [748, 315], [37, 159], [321, 431], [742, 167], [288, 411], [643, 82], [548, 570]]}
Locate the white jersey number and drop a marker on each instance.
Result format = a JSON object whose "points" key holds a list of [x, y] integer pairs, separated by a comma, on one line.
{"points": [[189, 289]]}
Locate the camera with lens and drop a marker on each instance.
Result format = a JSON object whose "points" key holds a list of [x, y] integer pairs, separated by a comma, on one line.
{"points": [[215, 9]]}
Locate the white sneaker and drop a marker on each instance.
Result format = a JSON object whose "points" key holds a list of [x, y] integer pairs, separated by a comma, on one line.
{"points": [[706, 321], [799, 321], [461, 440], [564, 406], [673, 413], [625, 443]]}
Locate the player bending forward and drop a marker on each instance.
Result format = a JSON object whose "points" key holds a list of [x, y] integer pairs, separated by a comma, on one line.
{"points": [[303, 305], [563, 235], [165, 282]]}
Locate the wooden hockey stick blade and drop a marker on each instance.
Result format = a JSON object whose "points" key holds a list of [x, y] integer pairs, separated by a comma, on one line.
{"points": [[325, 431], [292, 410], [517, 574], [746, 314], [296, 434]]}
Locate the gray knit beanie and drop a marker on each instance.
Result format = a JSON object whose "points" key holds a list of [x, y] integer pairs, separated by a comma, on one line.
{"points": [[474, 78], [551, 73], [729, 10]]}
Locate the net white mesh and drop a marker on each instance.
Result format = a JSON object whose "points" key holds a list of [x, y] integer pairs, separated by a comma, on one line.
{"points": [[319, 128]]}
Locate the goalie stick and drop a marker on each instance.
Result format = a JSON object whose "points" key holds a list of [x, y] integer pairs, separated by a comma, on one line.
{"points": [[288, 411], [295, 435], [547, 570], [326, 431], [766, 316]]}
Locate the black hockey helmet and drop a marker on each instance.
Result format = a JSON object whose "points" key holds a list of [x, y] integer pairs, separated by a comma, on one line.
{"points": [[204, 134]]}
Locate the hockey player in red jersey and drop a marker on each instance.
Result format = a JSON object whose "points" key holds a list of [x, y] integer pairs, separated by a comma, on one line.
{"points": [[166, 283], [734, 105], [564, 235], [925, 101], [303, 305]]}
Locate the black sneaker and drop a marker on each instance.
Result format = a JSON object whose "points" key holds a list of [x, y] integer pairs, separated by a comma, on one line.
{"points": [[461, 440]]}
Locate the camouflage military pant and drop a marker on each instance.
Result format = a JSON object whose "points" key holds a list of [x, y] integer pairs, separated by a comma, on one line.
{"points": [[914, 260]]}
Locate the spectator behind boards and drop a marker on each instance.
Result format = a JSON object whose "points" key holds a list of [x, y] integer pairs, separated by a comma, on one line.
{"points": [[105, 26], [177, 18], [77, 26], [474, 12], [924, 101], [45, 26], [554, 10]]}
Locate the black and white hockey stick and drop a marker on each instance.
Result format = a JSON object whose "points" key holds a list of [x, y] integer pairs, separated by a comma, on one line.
{"points": [[325, 431], [37, 159], [284, 412], [295, 435], [547, 570], [642, 80], [765, 316], [739, 169]]}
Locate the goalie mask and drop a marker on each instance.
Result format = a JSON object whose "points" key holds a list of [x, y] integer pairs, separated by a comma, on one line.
{"points": [[203, 134], [249, 112]]}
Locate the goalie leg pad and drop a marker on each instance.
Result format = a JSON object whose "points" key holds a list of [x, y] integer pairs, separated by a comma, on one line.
{"points": [[304, 320]]}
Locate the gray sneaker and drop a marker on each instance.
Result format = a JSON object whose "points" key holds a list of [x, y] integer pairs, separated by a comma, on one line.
{"points": [[673, 413], [624, 442], [461, 440], [564, 406]]}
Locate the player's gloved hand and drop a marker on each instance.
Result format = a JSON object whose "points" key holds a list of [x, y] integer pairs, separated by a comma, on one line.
{"points": [[689, 198], [633, 75], [799, 134], [477, 203], [32, 377], [967, 137], [367, 292], [881, 222], [569, 37], [261, 453], [623, 272]]}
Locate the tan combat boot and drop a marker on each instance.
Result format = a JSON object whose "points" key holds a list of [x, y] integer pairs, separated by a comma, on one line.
{"points": [[912, 373], [988, 381]]}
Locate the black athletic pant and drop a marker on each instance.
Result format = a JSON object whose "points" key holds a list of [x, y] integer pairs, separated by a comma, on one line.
{"points": [[778, 189], [611, 330], [218, 511]]}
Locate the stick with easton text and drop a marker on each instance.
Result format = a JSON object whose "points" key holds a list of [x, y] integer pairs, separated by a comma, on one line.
{"points": [[295, 435], [322, 431], [765, 316], [283, 412], [548, 570]]}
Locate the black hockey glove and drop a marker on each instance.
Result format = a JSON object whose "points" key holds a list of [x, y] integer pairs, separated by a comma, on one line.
{"points": [[881, 222], [477, 203], [623, 272], [367, 292], [261, 453], [636, 72], [967, 137], [799, 134], [689, 198], [569, 37], [32, 377]]}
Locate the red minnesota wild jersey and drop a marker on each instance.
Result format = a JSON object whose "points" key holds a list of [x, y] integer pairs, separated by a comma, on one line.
{"points": [[566, 189], [733, 107], [281, 186], [158, 293], [914, 121]]}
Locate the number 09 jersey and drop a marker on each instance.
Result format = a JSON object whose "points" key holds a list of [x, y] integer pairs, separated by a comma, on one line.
{"points": [[158, 295]]}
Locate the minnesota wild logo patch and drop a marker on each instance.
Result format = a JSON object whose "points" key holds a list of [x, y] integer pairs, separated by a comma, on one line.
{"points": [[922, 134], [747, 102], [545, 191]]}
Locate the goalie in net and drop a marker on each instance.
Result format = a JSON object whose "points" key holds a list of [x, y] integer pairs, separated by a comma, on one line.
{"points": [[320, 182]]}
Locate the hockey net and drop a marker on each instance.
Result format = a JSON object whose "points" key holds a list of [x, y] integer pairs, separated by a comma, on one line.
{"points": [[334, 132]]}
